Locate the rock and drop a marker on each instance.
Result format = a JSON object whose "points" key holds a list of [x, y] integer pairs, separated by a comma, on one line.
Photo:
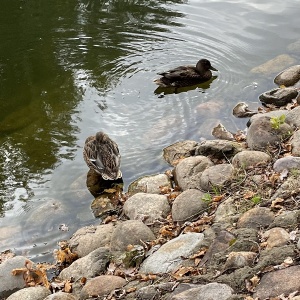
{"points": [[210, 109], [262, 135], [247, 159], [189, 170], [287, 163], [289, 187], [219, 148], [210, 291], [30, 293], [241, 259], [155, 291], [220, 132], [188, 205], [279, 96], [246, 239], [130, 232], [294, 47], [216, 177], [287, 220], [274, 65], [255, 218], [87, 239], [227, 212], [103, 205], [61, 296], [295, 143], [271, 114], [175, 152], [88, 266], [78, 189], [276, 237], [289, 76], [147, 208], [101, 286], [171, 255], [9, 283], [241, 110], [278, 282], [205, 128], [293, 117], [149, 184]]}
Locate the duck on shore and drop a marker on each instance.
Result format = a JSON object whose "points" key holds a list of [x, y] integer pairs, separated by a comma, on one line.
{"points": [[186, 75], [101, 154]]}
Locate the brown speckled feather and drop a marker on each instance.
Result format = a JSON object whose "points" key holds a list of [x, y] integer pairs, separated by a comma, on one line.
{"points": [[102, 155]]}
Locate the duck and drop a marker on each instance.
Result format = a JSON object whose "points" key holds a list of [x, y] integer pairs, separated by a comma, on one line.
{"points": [[186, 75], [101, 154]]}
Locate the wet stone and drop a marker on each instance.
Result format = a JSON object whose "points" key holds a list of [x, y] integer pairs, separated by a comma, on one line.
{"points": [[247, 158], [279, 96], [294, 47], [289, 76]]}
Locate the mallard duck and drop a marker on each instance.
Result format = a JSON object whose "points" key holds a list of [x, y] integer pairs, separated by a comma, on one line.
{"points": [[186, 75], [101, 154]]}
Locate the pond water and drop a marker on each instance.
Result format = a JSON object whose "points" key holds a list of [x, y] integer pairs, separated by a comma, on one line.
{"points": [[71, 68]]}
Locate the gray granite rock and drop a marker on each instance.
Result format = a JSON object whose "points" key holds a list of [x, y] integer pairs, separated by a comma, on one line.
{"points": [[177, 151], [271, 114], [278, 282], [171, 255], [151, 184], [130, 232], [279, 96], [289, 76], [146, 207], [293, 117], [287, 163], [274, 65], [248, 158], [227, 212], [30, 293], [101, 286], [9, 283], [189, 170], [89, 238], [188, 205], [216, 177]]}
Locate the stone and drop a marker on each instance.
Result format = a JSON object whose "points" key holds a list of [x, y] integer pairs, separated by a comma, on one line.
{"points": [[271, 114], [278, 96], [89, 238], [287, 220], [294, 47], [241, 259], [61, 296], [189, 170], [255, 218], [274, 65], [177, 151], [130, 232], [288, 188], [247, 159], [210, 291], [278, 282], [151, 184], [9, 283], [262, 135], [293, 117], [227, 212], [276, 237], [101, 286], [214, 178], [289, 76], [188, 205], [295, 143], [147, 208], [219, 148], [171, 254], [287, 163], [30, 293]]}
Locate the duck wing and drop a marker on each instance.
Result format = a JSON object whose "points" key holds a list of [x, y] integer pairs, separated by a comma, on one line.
{"points": [[180, 72]]}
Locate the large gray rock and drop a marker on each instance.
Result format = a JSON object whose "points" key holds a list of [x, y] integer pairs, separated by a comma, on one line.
{"points": [[188, 205], [89, 238], [151, 184], [248, 158], [177, 151], [30, 293], [279, 96], [146, 207], [293, 117], [289, 76], [215, 177], [210, 291], [130, 232], [170, 255], [189, 170], [9, 283]]}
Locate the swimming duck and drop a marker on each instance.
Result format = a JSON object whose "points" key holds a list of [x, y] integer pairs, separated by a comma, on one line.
{"points": [[101, 154], [186, 75]]}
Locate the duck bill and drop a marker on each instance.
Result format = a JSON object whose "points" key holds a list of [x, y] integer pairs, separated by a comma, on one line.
{"points": [[212, 68]]}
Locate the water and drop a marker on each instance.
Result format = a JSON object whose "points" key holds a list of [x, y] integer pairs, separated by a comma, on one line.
{"points": [[71, 68]]}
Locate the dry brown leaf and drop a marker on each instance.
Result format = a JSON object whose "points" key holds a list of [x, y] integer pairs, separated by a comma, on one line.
{"points": [[274, 178], [131, 290], [277, 203], [182, 271], [65, 256], [248, 194], [218, 198], [110, 219], [68, 287], [83, 280]]}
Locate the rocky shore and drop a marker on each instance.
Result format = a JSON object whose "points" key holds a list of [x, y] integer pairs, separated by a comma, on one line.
{"points": [[223, 223]]}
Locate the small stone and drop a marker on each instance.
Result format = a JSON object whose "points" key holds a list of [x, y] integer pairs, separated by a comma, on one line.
{"points": [[279, 96], [227, 212], [289, 76], [276, 237], [248, 158], [241, 259], [295, 143], [287, 163]]}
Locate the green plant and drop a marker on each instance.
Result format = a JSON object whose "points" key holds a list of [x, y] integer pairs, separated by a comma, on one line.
{"points": [[206, 198], [256, 199], [277, 121]]}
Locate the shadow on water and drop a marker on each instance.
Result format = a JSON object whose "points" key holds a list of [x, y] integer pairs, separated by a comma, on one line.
{"points": [[162, 91]]}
